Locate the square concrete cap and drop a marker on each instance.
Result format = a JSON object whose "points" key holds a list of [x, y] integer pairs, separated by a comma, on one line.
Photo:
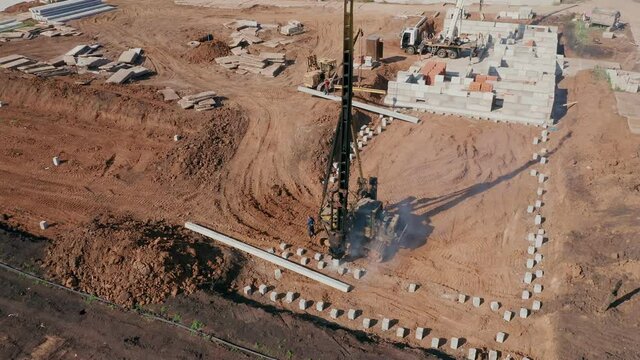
{"points": [[435, 342]]}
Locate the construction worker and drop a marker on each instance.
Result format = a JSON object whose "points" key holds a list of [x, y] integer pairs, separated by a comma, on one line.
{"points": [[327, 83], [311, 226]]}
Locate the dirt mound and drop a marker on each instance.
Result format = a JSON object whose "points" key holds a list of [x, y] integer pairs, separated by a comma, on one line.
{"points": [[207, 52], [21, 7], [131, 262], [202, 156]]}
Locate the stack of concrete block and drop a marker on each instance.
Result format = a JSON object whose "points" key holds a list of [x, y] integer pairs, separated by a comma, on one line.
{"points": [[267, 64], [30, 66], [200, 102], [294, 27], [624, 80], [491, 30], [130, 56], [124, 75], [523, 13], [69, 10]]}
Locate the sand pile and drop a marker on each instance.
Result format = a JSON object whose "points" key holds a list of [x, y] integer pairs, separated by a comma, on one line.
{"points": [[207, 52], [131, 262]]}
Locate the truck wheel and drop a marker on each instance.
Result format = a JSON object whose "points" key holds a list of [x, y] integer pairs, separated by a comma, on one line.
{"points": [[442, 53], [453, 54], [410, 50]]}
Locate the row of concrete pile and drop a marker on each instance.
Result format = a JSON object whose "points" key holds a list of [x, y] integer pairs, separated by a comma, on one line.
{"points": [[68, 10], [267, 64], [15, 30]]}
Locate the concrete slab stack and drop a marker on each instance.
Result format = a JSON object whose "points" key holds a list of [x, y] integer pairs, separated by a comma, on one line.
{"points": [[624, 80], [520, 86], [69, 10]]}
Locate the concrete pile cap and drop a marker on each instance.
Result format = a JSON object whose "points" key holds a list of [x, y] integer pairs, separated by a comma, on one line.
{"points": [[248, 290], [413, 288], [262, 289], [495, 306], [455, 343], [352, 314], [335, 313], [300, 251], [320, 305], [508, 315], [435, 342], [304, 260], [366, 323], [501, 337], [401, 332]]}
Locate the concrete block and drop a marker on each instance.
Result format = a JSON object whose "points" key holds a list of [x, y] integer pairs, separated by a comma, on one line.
{"points": [[290, 297], [536, 141], [543, 160], [435, 342], [342, 270], [501, 337], [472, 354], [524, 313], [284, 246], [533, 172], [493, 355], [531, 250], [262, 289], [336, 262], [358, 273], [537, 305], [539, 273], [537, 288], [528, 277], [248, 290], [531, 237], [537, 220], [386, 324], [304, 260], [278, 274], [317, 256], [303, 304], [367, 323], [321, 265], [419, 333], [541, 178], [56, 161], [274, 296], [334, 313], [538, 204], [320, 305], [535, 156], [530, 209], [495, 306], [44, 225], [413, 288], [539, 241], [540, 191], [462, 298], [352, 314], [526, 295], [530, 263], [538, 257], [508, 315], [477, 301], [401, 332], [541, 231], [300, 251], [455, 343]]}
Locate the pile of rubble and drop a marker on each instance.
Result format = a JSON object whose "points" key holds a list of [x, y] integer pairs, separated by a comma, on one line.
{"points": [[17, 31]]}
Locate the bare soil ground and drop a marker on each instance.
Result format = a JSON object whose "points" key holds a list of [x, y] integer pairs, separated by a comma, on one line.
{"points": [[251, 169]]}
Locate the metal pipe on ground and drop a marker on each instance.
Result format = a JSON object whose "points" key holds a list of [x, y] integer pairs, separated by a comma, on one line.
{"points": [[311, 274]]}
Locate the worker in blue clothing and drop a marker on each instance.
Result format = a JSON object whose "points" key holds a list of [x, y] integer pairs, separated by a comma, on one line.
{"points": [[311, 227]]}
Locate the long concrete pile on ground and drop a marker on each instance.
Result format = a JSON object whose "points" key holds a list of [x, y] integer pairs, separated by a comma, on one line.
{"points": [[624, 80], [30, 66], [69, 10], [6, 25], [520, 86], [267, 64]]}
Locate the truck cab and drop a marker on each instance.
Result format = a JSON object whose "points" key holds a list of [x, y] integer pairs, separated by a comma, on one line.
{"points": [[410, 40]]}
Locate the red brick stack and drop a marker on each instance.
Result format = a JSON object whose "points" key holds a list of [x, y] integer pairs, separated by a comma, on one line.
{"points": [[432, 69]]}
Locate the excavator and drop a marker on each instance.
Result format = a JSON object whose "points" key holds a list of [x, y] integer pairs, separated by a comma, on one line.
{"points": [[354, 221]]}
